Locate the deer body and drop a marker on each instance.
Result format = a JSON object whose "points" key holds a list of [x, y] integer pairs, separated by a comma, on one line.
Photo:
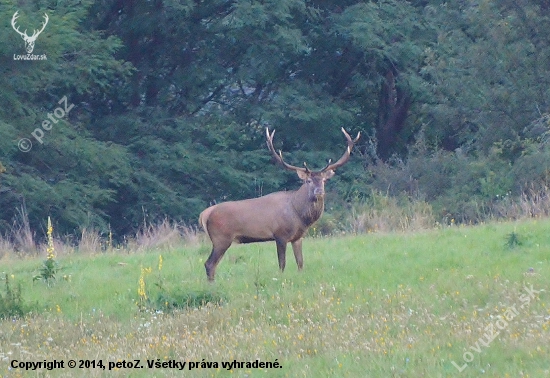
{"points": [[282, 217]]}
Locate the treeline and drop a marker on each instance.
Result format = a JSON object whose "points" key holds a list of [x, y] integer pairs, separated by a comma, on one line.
{"points": [[171, 99]]}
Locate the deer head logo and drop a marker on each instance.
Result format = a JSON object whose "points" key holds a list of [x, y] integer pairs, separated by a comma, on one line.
{"points": [[29, 40]]}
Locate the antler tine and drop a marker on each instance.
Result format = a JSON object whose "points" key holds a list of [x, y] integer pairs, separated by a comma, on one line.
{"points": [[46, 19], [345, 157], [16, 28], [36, 33], [279, 156], [328, 164]]}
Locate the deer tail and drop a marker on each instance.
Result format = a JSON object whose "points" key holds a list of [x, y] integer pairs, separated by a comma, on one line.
{"points": [[203, 219]]}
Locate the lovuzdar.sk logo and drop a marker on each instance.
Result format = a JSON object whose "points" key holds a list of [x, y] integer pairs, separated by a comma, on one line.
{"points": [[29, 40]]}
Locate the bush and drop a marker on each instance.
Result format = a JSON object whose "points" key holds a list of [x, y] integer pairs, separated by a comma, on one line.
{"points": [[467, 188], [11, 303]]}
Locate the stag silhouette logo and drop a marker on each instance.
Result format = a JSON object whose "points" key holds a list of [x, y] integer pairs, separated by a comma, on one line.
{"points": [[29, 40]]}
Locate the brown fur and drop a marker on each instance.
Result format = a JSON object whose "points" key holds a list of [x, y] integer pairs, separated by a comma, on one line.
{"points": [[282, 216]]}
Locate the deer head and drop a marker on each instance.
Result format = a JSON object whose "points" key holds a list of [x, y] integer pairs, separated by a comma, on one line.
{"points": [[29, 40], [314, 180]]}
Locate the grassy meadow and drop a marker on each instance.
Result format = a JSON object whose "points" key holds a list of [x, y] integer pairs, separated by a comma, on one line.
{"points": [[446, 302]]}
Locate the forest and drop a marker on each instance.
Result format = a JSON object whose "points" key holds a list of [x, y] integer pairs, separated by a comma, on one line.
{"points": [[141, 111]]}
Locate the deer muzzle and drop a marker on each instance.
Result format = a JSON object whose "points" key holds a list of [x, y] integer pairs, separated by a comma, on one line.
{"points": [[319, 192]]}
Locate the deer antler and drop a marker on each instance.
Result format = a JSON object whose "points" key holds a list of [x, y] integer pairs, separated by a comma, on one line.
{"points": [[345, 157], [35, 34], [330, 167], [15, 16], [279, 156]]}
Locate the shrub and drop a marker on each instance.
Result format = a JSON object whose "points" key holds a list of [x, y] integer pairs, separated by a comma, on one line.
{"points": [[11, 303], [513, 240], [466, 187]]}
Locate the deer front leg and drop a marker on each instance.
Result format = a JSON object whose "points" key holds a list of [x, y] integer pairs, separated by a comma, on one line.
{"points": [[297, 248], [281, 254]]}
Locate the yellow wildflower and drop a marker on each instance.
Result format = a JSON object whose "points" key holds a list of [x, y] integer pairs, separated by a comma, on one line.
{"points": [[50, 248]]}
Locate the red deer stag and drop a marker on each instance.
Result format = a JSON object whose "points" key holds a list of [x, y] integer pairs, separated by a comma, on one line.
{"points": [[282, 216]]}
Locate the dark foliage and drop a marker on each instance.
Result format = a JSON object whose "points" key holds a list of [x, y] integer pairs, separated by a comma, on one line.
{"points": [[171, 99]]}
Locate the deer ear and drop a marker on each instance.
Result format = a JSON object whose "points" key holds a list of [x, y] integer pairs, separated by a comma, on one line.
{"points": [[302, 175], [328, 174]]}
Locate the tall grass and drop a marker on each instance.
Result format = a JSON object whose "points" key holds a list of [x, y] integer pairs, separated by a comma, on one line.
{"points": [[377, 213], [91, 241], [165, 235], [533, 203], [382, 213], [22, 235], [6, 247]]}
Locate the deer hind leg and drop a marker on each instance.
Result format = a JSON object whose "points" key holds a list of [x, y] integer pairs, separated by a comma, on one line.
{"points": [[297, 248], [281, 254], [215, 256]]}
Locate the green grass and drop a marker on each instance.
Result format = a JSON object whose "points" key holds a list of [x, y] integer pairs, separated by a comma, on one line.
{"points": [[377, 305]]}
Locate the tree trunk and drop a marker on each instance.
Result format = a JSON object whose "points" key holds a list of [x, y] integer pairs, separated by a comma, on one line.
{"points": [[394, 104]]}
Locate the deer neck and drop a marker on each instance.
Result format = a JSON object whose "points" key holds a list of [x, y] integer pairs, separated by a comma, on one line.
{"points": [[307, 209]]}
